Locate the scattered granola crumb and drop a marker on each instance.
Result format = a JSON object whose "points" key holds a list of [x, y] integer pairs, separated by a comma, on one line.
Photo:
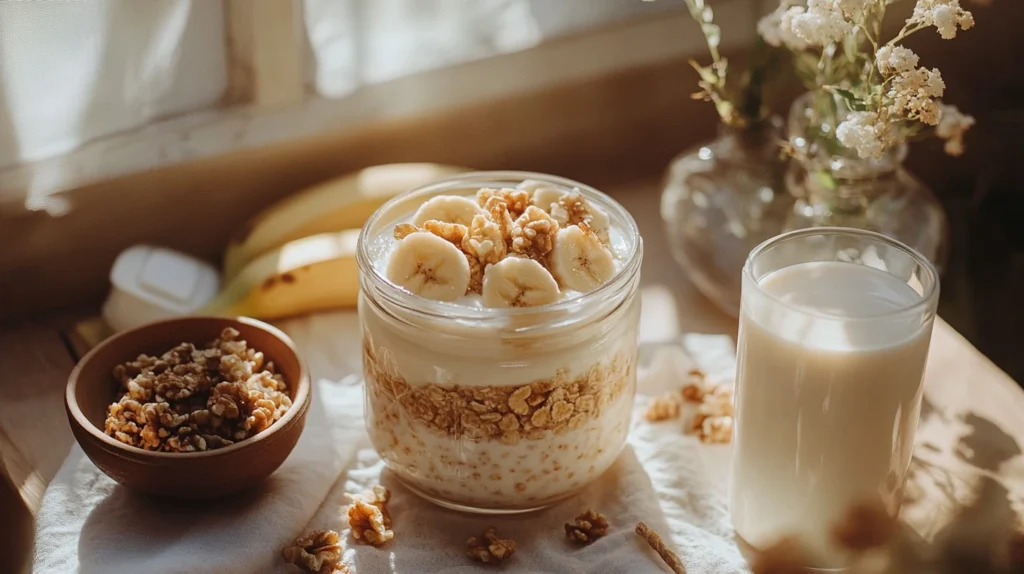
{"points": [[489, 548], [663, 408], [368, 516], [587, 527], [713, 422], [655, 541], [318, 552]]}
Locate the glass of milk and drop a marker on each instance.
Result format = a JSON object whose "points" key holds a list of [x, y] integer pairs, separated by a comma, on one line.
{"points": [[835, 325]]}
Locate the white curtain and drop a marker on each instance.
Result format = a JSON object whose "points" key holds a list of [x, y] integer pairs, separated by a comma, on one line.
{"points": [[75, 70], [358, 42]]}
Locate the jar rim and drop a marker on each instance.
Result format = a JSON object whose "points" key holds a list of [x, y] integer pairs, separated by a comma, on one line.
{"points": [[929, 294], [413, 303]]}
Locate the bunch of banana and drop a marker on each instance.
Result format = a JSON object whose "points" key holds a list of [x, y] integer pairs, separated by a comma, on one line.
{"points": [[298, 255]]}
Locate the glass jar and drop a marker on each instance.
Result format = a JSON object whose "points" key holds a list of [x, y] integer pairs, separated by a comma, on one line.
{"points": [[833, 187], [720, 201], [498, 410]]}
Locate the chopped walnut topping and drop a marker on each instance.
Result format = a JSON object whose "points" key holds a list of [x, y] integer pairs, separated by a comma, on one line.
{"points": [[587, 527], [655, 542], [533, 234], [191, 399], [663, 408], [516, 200], [318, 552], [485, 241], [451, 232], [571, 209], [368, 516], [403, 230], [489, 548]]}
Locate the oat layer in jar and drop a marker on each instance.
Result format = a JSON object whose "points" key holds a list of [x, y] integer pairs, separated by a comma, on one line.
{"points": [[499, 313]]}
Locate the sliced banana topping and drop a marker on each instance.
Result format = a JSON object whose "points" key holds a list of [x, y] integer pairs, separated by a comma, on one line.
{"points": [[447, 208], [580, 259], [542, 195], [518, 282], [429, 266]]}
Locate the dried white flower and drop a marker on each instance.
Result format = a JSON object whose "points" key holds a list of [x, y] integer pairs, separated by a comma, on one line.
{"points": [[822, 23], [952, 125], [854, 9], [776, 28], [913, 95], [863, 132], [945, 15], [895, 60]]}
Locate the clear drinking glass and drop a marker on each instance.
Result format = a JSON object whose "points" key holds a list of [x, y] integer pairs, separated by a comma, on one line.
{"points": [[835, 325]]}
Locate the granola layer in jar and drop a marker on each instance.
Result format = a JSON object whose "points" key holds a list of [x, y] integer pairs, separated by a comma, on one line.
{"points": [[504, 383]]}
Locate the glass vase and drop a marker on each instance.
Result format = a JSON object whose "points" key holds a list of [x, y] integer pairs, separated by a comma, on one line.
{"points": [[721, 200], [833, 187]]}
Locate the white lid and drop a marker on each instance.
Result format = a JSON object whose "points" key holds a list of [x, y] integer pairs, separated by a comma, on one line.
{"points": [[151, 283]]}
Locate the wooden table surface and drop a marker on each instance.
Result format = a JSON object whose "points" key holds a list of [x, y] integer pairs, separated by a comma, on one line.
{"points": [[972, 424]]}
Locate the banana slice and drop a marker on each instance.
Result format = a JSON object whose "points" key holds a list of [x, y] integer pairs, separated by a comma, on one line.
{"points": [[447, 208], [580, 260], [599, 222], [429, 266], [541, 194], [518, 282]]}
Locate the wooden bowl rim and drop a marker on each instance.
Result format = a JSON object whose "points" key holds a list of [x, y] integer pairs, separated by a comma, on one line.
{"points": [[298, 408]]}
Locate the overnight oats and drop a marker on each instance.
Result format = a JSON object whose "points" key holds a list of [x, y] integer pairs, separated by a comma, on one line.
{"points": [[499, 317]]}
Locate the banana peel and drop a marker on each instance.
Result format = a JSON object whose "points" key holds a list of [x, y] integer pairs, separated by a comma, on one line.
{"points": [[314, 273], [342, 203]]}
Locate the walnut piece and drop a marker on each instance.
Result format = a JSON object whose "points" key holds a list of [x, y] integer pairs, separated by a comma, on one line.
{"points": [[318, 552], [533, 234], [451, 232], [693, 389], [191, 399], [571, 209], [587, 527], [663, 408], [485, 241], [516, 200], [368, 516], [489, 548]]}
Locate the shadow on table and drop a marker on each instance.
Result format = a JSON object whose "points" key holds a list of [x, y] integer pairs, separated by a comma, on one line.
{"points": [[112, 534]]}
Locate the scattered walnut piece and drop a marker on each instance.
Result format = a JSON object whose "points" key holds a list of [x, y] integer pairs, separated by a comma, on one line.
{"points": [[663, 408], [533, 234], [655, 541], [368, 516], [318, 552], [587, 527], [194, 399], [489, 548], [693, 389], [716, 430]]}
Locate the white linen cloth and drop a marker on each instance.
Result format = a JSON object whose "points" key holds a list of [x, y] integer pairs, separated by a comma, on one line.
{"points": [[89, 524]]}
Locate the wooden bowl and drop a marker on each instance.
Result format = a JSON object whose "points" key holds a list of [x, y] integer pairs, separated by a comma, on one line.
{"points": [[194, 475]]}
